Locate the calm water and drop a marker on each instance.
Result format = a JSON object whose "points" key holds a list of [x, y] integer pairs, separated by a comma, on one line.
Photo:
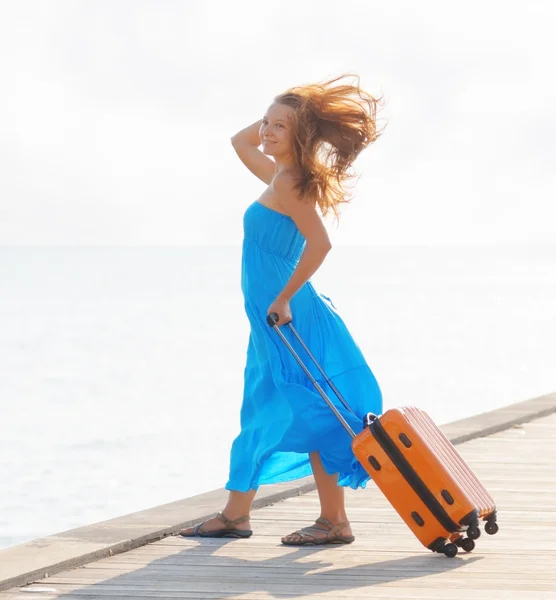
{"points": [[121, 369]]}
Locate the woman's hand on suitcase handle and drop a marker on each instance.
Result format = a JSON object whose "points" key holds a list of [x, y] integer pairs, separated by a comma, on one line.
{"points": [[281, 308]]}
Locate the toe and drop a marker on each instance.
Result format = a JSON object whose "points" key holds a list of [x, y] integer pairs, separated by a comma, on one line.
{"points": [[296, 537], [191, 531]]}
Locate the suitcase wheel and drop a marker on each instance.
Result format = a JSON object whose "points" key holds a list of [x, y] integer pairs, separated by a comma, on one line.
{"points": [[491, 527], [467, 545], [450, 550], [473, 532]]}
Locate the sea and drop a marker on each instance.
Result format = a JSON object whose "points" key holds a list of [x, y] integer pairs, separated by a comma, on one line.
{"points": [[121, 368]]}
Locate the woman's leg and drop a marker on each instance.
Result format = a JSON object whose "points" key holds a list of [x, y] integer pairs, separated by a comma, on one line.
{"points": [[238, 505], [332, 501]]}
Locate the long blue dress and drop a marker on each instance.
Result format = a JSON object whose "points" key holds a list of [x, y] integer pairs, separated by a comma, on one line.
{"points": [[283, 418]]}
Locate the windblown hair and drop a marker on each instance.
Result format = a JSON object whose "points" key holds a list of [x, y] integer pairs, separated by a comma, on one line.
{"points": [[332, 124]]}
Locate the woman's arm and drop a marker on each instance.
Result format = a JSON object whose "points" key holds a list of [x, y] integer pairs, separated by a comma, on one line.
{"points": [[309, 223], [246, 144]]}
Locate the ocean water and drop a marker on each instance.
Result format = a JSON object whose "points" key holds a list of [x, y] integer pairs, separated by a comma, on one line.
{"points": [[121, 368]]}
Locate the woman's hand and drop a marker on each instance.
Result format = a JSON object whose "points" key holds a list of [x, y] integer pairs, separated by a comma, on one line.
{"points": [[281, 306]]}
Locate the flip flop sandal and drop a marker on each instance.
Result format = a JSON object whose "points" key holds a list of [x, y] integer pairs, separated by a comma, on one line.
{"points": [[334, 535], [229, 531]]}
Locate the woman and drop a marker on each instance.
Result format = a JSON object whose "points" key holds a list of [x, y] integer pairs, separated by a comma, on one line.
{"points": [[313, 134]]}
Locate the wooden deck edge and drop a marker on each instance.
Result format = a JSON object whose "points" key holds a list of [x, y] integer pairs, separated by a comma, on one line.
{"points": [[25, 563], [502, 418]]}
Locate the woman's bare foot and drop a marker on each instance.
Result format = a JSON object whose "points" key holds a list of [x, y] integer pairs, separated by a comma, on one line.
{"points": [[220, 526], [322, 532]]}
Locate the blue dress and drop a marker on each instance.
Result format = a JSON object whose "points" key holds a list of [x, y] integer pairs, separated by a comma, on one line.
{"points": [[283, 418]]}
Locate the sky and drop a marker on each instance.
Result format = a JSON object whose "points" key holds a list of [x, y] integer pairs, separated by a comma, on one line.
{"points": [[116, 117]]}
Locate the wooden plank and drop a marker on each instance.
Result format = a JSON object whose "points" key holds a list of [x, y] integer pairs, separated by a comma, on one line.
{"points": [[515, 563], [377, 594], [309, 586]]}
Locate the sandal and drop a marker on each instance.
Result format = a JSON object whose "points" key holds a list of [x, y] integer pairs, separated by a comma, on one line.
{"points": [[334, 535], [229, 531]]}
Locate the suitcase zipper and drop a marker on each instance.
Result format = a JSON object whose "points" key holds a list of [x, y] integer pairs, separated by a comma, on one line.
{"points": [[411, 476]]}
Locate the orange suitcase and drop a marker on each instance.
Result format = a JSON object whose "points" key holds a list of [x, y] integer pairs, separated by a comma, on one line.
{"points": [[418, 470], [426, 480]]}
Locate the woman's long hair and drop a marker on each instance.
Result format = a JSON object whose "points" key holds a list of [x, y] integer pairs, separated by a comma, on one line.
{"points": [[332, 124]]}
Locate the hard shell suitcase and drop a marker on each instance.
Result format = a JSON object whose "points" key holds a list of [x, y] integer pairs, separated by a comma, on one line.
{"points": [[426, 480], [418, 470]]}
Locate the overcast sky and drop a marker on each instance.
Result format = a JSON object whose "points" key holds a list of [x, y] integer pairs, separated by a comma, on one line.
{"points": [[116, 116]]}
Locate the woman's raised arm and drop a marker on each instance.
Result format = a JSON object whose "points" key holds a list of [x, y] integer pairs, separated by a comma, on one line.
{"points": [[246, 144]]}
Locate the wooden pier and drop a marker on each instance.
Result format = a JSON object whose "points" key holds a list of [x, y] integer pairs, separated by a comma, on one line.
{"points": [[517, 465]]}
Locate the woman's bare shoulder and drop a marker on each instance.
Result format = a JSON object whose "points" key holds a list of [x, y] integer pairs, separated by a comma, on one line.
{"points": [[285, 181], [287, 194]]}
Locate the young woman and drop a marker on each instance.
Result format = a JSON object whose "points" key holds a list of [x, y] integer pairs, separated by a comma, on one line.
{"points": [[310, 137]]}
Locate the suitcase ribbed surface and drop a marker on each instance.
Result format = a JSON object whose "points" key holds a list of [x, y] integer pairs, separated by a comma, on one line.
{"points": [[467, 481]]}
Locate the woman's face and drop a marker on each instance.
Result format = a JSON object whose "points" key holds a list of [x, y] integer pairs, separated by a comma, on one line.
{"points": [[276, 130]]}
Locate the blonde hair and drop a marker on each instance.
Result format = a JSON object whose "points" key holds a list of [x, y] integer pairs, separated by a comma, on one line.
{"points": [[332, 124]]}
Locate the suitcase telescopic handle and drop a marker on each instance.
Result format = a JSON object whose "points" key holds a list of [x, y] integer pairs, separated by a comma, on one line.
{"points": [[272, 320]]}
